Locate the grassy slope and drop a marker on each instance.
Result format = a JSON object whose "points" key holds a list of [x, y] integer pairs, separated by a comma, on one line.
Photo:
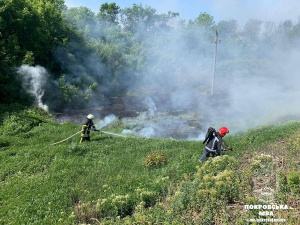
{"points": [[44, 184]]}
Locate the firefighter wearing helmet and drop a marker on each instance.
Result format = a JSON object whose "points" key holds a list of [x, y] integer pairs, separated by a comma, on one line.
{"points": [[86, 128], [214, 144]]}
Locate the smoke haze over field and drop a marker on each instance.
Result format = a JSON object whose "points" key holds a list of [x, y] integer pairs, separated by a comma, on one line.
{"points": [[252, 90], [171, 63]]}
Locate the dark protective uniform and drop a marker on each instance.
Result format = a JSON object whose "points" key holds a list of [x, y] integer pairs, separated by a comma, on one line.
{"points": [[85, 131], [214, 146]]}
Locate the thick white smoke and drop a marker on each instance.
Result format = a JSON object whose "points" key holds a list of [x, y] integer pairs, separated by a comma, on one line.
{"points": [[151, 108], [34, 80], [144, 127], [106, 121], [151, 124]]}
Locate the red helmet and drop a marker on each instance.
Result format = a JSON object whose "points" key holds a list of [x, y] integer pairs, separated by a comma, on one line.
{"points": [[223, 131]]}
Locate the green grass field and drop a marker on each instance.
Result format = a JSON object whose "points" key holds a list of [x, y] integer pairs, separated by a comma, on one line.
{"points": [[110, 181]]}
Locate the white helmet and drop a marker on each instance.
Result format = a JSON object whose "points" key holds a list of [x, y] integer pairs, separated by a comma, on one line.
{"points": [[90, 116]]}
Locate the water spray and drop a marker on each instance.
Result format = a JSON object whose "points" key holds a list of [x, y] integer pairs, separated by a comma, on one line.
{"points": [[114, 134]]}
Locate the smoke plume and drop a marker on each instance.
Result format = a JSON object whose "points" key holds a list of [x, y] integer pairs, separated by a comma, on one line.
{"points": [[34, 80]]}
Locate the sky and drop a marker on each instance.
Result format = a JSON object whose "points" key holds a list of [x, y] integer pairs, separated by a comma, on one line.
{"points": [[241, 10]]}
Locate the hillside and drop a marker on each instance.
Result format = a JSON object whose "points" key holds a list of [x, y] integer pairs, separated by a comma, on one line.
{"points": [[132, 180], [165, 79]]}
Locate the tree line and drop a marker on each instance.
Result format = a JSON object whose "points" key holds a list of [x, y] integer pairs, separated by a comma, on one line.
{"points": [[92, 56]]}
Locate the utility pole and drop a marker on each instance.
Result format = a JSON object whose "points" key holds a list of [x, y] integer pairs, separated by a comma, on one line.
{"points": [[216, 41]]}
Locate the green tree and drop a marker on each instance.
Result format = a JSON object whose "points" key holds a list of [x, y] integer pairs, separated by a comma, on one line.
{"points": [[144, 22], [228, 29], [252, 29], [109, 12], [80, 17], [138, 17], [205, 20], [30, 30], [285, 26], [18, 20], [204, 23]]}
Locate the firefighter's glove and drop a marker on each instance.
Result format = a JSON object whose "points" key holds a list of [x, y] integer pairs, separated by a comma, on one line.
{"points": [[229, 148]]}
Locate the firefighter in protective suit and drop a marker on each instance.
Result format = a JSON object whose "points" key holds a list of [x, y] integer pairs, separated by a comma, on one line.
{"points": [[86, 128], [214, 144]]}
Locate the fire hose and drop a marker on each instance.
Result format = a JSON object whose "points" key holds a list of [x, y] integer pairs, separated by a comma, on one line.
{"points": [[105, 132], [66, 138]]}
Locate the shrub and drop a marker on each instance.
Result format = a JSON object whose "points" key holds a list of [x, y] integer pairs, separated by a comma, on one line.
{"points": [[112, 206], [224, 186], [215, 183], [5, 109], [148, 197], [24, 121], [293, 180], [215, 165], [262, 164], [155, 159]]}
